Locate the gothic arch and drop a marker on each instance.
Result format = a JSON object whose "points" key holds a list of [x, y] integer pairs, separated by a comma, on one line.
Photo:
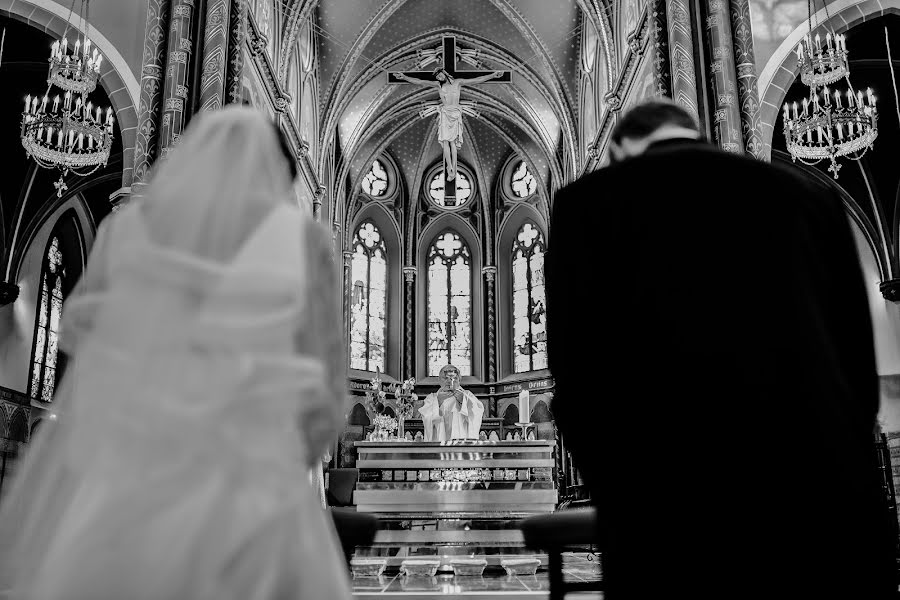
{"points": [[117, 80], [520, 214], [454, 222], [390, 232], [780, 72]]}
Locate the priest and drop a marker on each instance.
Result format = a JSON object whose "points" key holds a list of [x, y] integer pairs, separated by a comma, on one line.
{"points": [[451, 413]]}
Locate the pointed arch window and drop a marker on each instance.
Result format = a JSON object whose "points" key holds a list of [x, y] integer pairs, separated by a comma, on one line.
{"points": [[529, 300], [44, 366], [449, 304], [368, 303]]}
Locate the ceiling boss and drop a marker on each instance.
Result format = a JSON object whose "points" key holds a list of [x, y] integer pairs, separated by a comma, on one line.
{"points": [[450, 110]]}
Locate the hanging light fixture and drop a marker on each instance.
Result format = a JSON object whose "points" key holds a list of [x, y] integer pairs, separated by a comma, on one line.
{"points": [[828, 124], [67, 132]]}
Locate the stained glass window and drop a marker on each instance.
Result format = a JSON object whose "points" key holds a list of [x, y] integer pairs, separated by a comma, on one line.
{"points": [[46, 343], [463, 189], [523, 183], [449, 304], [529, 301], [368, 300], [375, 183]]}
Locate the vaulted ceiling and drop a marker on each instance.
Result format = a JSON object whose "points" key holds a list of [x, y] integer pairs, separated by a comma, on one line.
{"points": [[534, 116]]}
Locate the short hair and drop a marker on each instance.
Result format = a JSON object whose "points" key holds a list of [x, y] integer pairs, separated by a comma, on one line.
{"points": [[441, 70], [647, 117]]}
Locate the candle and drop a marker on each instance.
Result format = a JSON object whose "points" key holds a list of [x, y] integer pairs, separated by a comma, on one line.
{"points": [[849, 99], [827, 96], [55, 49], [99, 60], [56, 103], [99, 114], [81, 141], [27, 102], [90, 142], [820, 134], [840, 129], [65, 45], [795, 110], [77, 47], [78, 104], [87, 46], [799, 51], [59, 138], [109, 114], [88, 109], [787, 112], [524, 407], [869, 95], [809, 135], [71, 138], [837, 98], [40, 133], [859, 99], [805, 107], [49, 134], [843, 42], [67, 101], [818, 43], [109, 124], [44, 104], [815, 103], [828, 40]]}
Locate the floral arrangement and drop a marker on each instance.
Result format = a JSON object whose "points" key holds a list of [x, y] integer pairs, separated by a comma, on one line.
{"points": [[406, 399], [385, 423], [376, 396]]}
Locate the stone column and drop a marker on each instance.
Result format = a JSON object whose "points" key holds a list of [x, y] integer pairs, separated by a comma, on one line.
{"points": [[317, 200], [748, 95], [409, 322], [150, 103], [727, 117], [681, 52], [490, 274], [237, 28], [348, 285], [177, 73], [662, 73], [215, 53]]}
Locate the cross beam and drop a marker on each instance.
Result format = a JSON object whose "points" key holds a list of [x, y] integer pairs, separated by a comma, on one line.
{"points": [[449, 65]]}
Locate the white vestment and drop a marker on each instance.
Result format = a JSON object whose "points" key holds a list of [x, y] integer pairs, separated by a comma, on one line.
{"points": [[432, 421], [462, 422]]}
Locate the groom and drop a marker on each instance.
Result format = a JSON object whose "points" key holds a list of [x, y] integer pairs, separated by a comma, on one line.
{"points": [[451, 413]]}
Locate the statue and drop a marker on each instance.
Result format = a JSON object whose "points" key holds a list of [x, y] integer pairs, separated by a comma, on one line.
{"points": [[450, 112], [451, 413]]}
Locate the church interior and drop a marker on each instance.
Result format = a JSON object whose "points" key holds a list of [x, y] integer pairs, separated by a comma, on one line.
{"points": [[435, 270]]}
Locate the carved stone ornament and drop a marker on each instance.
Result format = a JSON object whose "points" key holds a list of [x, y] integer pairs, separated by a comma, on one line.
{"points": [[489, 273], [613, 101], [409, 274], [593, 152], [259, 45], [304, 149], [635, 43], [282, 103], [8, 293]]}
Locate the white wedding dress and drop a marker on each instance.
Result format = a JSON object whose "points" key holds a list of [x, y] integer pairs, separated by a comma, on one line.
{"points": [[176, 469]]}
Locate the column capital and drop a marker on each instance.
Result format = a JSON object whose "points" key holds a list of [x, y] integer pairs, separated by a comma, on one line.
{"points": [[409, 274], [489, 273]]}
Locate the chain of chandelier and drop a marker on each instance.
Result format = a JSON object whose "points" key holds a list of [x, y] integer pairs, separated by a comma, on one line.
{"points": [[828, 124], [65, 131]]}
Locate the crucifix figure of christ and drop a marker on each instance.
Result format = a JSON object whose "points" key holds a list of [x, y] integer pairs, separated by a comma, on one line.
{"points": [[448, 82]]}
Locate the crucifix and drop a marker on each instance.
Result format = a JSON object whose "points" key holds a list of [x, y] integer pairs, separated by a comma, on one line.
{"points": [[448, 81]]}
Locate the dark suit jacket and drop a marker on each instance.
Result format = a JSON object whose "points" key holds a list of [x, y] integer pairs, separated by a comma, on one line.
{"points": [[710, 339]]}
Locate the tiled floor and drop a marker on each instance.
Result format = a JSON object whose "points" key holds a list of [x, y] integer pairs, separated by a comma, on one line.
{"points": [[493, 584]]}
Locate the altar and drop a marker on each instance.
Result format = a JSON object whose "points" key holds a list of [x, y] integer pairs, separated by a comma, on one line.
{"points": [[457, 499]]}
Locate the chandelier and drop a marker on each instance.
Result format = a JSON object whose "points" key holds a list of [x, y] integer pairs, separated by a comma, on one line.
{"points": [[828, 124], [68, 133]]}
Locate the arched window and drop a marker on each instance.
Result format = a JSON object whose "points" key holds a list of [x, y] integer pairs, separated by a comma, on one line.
{"points": [[368, 303], [523, 183], [449, 304], [529, 301], [375, 183], [463, 189], [46, 340]]}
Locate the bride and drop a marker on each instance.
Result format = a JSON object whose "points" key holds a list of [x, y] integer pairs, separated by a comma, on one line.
{"points": [[207, 376]]}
